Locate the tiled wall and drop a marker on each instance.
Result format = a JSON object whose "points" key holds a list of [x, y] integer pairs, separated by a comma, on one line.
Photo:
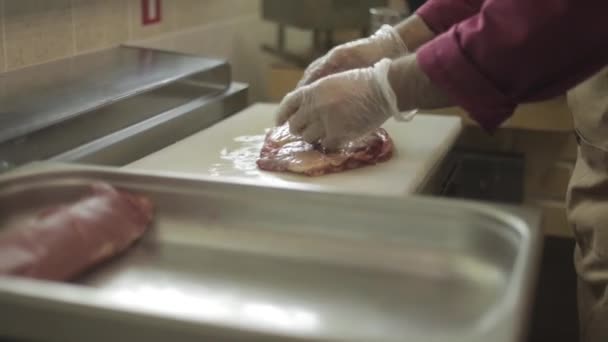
{"points": [[237, 37], [37, 31], [237, 40]]}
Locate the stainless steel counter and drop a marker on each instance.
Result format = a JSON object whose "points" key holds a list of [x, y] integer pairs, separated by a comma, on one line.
{"points": [[239, 262], [65, 109], [44, 95]]}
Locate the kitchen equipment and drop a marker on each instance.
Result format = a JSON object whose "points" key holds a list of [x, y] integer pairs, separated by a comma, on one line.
{"points": [[231, 148], [111, 107], [235, 261], [380, 16], [320, 14], [322, 17]]}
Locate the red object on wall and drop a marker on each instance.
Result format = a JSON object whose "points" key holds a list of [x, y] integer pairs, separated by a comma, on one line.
{"points": [[151, 11]]}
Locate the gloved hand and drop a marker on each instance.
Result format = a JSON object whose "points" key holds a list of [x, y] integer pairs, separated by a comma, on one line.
{"points": [[341, 107], [361, 53]]}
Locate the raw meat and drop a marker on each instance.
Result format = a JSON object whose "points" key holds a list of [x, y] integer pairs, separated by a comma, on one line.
{"points": [[284, 152], [61, 242]]}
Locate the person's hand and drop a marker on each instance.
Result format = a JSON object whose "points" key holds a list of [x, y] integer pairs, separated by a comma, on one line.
{"points": [[361, 53], [341, 107]]}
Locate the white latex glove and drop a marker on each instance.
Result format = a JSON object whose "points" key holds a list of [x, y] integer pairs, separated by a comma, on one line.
{"points": [[361, 53], [342, 107]]}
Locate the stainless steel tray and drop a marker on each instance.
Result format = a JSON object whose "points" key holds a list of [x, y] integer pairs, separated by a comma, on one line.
{"points": [[229, 261]]}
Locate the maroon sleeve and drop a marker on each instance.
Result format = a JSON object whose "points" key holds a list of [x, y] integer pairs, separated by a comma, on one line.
{"points": [[516, 51], [440, 15]]}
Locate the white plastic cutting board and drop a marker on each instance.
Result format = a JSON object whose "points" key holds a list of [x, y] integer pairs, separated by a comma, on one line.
{"points": [[230, 148]]}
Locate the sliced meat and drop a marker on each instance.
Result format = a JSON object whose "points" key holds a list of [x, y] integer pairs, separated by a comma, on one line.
{"points": [[284, 152], [61, 242]]}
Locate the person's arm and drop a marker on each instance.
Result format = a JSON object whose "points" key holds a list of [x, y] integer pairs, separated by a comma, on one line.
{"points": [[440, 15], [414, 32], [511, 52], [433, 18], [412, 87]]}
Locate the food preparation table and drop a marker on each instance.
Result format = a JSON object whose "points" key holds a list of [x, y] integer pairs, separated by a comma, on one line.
{"points": [[230, 148]]}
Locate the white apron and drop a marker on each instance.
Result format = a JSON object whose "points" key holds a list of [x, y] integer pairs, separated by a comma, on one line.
{"points": [[588, 204]]}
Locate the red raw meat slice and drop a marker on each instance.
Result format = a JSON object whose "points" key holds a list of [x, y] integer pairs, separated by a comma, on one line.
{"points": [[61, 242], [284, 152]]}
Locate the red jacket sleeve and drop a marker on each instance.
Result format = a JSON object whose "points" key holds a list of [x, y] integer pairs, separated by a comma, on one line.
{"points": [[517, 51], [440, 15]]}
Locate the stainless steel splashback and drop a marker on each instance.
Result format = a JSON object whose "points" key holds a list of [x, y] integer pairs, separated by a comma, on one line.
{"points": [[76, 108]]}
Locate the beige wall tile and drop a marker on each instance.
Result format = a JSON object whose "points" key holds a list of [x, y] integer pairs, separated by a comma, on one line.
{"points": [[100, 23], [37, 31], [281, 80], [192, 13], [237, 40], [138, 31], [2, 51], [184, 14]]}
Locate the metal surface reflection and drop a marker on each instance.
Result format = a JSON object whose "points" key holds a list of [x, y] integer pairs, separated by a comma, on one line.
{"points": [[211, 305]]}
